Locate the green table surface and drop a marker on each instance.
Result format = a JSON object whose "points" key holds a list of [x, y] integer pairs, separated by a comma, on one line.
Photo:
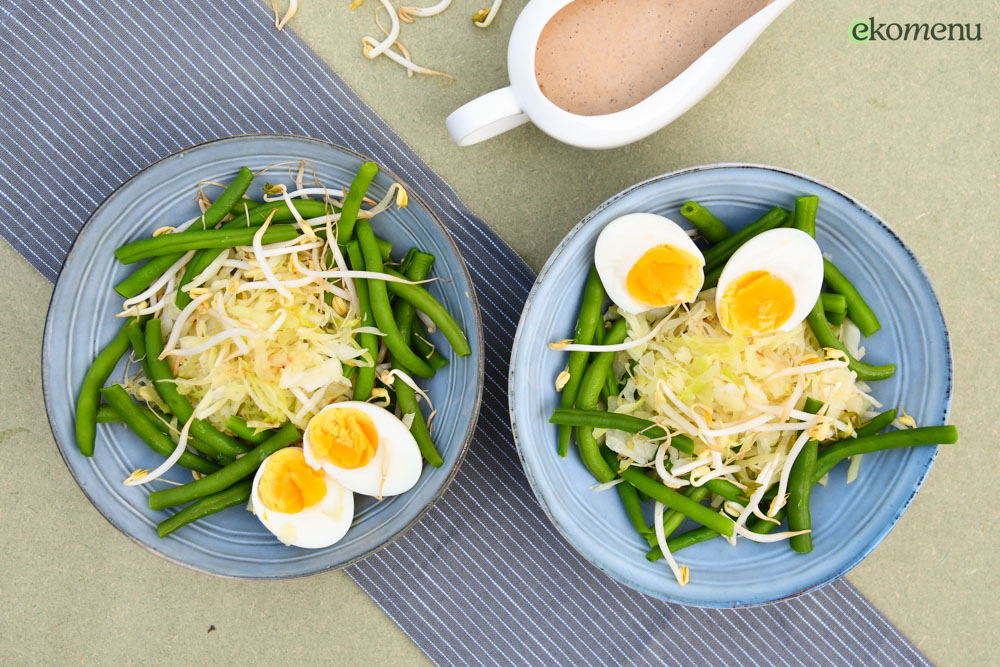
{"points": [[909, 128]]}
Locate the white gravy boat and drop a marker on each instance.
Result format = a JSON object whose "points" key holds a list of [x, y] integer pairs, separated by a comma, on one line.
{"points": [[522, 101]]}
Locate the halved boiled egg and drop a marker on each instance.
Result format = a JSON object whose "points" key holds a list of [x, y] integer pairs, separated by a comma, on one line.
{"points": [[770, 283], [648, 261], [301, 506], [364, 447]]}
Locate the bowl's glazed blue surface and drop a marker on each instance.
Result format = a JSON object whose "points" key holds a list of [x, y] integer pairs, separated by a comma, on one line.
{"points": [[848, 521], [81, 320]]}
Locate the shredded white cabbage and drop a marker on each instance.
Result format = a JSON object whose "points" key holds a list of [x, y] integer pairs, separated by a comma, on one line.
{"points": [[271, 333], [287, 353], [739, 399]]}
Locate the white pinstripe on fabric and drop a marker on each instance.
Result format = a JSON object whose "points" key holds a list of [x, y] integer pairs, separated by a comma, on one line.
{"points": [[483, 578]]}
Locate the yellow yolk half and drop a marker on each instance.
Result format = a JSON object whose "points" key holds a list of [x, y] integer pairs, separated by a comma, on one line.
{"points": [[346, 437], [288, 484], [756, 302], [664, 276]]}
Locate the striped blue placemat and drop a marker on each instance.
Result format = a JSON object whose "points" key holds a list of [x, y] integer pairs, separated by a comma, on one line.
{"points": [[91, 93]]}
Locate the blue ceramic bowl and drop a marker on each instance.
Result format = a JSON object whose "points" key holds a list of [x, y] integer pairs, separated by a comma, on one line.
{"points": [[81, 321], [848, 521]]}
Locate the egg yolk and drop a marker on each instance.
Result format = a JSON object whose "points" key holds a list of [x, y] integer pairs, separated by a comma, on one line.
{"points": [[756, 302], [345, 437], [664, 276], [288, 484]]}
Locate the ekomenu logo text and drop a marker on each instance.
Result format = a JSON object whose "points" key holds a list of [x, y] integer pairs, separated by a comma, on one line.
{"points": [[870, 30]]}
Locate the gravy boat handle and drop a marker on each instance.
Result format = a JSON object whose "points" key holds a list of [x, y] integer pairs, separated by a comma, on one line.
{"points": [[485, 117]]}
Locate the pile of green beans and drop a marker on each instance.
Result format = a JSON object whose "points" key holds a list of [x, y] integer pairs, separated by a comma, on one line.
{"points": [[800, 488], [586, 324], [590, 381], [364, 380], [228, 458], [590, 389], [406, 397]]}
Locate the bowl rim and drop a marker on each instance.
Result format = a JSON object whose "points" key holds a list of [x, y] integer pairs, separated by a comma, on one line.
{"points": [[550, 262], [479, 354]]}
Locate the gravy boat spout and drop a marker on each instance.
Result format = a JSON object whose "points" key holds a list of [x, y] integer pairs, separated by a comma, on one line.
{"points": [[523, 101]]}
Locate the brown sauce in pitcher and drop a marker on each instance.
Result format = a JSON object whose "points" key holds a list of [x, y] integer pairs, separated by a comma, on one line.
{"points": [[600, 56]]}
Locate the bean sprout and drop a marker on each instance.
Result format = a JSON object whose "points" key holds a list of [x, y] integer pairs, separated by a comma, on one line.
{"points": [[484, 17]]}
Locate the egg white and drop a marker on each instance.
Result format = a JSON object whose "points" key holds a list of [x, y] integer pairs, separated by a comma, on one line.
{"points": [[624, 241], [315, 527], [397, 450], [788, 254]]}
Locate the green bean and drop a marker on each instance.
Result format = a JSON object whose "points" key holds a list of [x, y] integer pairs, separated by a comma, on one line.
{"points": [[89, 396], [630, 499], [590, 454], [136, 338], [702, 534], [227, 201], [724, 488], [804, 216], [404, 266], [836, 319], [600, 332], [278, 212], [911, 437], [243, 206], [682, 541], [365, 380], [758, 525], [586, 323], [142, 426], [877, 423], [163, 379], [672, 521], [707, 224], [108, 415], [799, 492], [425, 302], [422, 346], [610, 384], [406, 397], [594, 376], [403, 310], [706, 516], [589, 392], [237, 494], [220, 208], [613, 420], [225, 204], [857, 308], [207, 238], [800, 488], [146, 275], [812, 405], [239, 427], [400, 351], [712, 277], [833, 303], [352, 202], [610, 420], [227, 476], [718, 254], [821, 329], [406, 401]]}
